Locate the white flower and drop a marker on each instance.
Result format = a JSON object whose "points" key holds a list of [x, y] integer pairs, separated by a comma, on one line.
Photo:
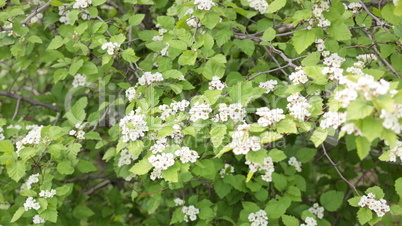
{"points": [[200, 111], [31, 203], [111, 47], [38, 220], [47, 193], [298, 77], [234, 111], [293, 162], [380, 207], [268, 85], [190, 213], [259, 5], [125, 158], [79, 80], [317, 210], [133, 126], [178, 201], [187, 155], [148, 78], [267, 167], [269, 117], [216, 84], [162, 161], [164, 51], [298, 106], [332, 119], [258, 218], [82, 4], [226, 170], [242, 143], [204, 4], [131, 94]]}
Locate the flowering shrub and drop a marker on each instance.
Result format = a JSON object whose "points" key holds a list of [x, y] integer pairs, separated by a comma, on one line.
{"points": [[199, 112]]}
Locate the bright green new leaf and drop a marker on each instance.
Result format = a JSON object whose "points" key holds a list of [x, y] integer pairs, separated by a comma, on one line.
{"points": [[331, 200], [85, 166], [303, 39], [129, 55], [217, 133], [364, 215]]}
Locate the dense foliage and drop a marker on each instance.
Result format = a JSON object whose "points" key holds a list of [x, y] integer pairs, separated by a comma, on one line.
{"points": [[230, 112]]}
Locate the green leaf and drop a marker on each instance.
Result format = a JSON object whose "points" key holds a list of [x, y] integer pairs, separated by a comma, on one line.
{"points": [[165, 131], [276, 155], [339, 30], [217, 133], [276, 5], [64, 167], [303, 39], [377, 191], [171, 173], [27, 153], [331, 200], [215, 67], [312, 59], [16, 170], [370, 127], [210, 20], [188, 57], [17, 215], [269, 34], [56, 42], [315, 72], [305, 154], [280, 181], [93, 136], [223, 36], [354, 201], [363, 147], [246, 45], [98, 2], [6, 146], [358, 109], [256, 156], [129, 55], [364, 215], [289, 220], [398, 187], [75, 66], [35, 39], [286, 126], [142, 167], [222, 189], [49, 215], [136, 19], [85, 166], [82, 212], [319, 136], [77, 113]]}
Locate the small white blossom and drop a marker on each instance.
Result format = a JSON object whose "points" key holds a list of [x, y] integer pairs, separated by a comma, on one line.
{"points": [[111, 47], [190, 213], [268, 85], [187, 155], [200, 111], [82, 4], [178, 201], [204, 4], [267, 167], [298, 77], [317, 210], [309, 222], [380, 207], [226, 170], [38, 220], [162, 161], [258, 218], [269, 117], [242, 143], [216, 84], [293, 162], [47, 193], [148, 78], [80, 80], [133, 126], [31, 203], [259, 5], [125, 158], [332, 119]]}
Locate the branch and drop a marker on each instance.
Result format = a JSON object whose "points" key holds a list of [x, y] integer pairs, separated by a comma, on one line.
{"points": [[267, 72], [96, 187], [146, 193], [337, 170], [378, 20], [35, 11], [29, 100]]}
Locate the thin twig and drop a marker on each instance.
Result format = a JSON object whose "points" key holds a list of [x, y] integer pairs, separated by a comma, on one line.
{"points": [[379, 22], [96, 187], [29, 100], [35, 12], [141, 193], [267, 72], [16, 109], [337, 170]]}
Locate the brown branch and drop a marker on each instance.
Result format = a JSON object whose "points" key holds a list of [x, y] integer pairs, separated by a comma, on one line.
{"points": [[267, 72], [337, 170], [29, 100], [378, 20], [96, 187], [146, 193], [35, 12]]}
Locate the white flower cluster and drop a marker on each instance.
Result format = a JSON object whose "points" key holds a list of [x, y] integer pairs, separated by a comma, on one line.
{"points": [[173, 108], [1, 134], [111, 47], [258, 218], [332, 119], [31, 203], [367, 57], [371, 88], [33, 137], [178, 201], [346, 96], [204, 4], [351, 128], [133, 126], [64, 12], [321, 47], [190, 213], [269, 117], [47, 194], [298, 106], [317, 210], [298, 77], [396, 152], [161, 162], [391, 119], [125, 158], [309, 221], [38, 220], [355, 7], [82, 4], [259, 5], [17, 127], [187, 155], [267, 166], [318, 16], [80, 80], [130, 177], [159, 37], [36, 2], [160, 145], [192, 21], [216, 84], [131, 94], [200, 111], [34, 178], [148, 78], [333, 67], [235, 111], [79, 133], [293, 162], [242, 143], [177, 134], [268, 85], [36, 18], [380, 207], [226, 170]]}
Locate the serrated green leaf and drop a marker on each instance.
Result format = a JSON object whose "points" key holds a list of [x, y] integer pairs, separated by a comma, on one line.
{"points": [[129, 55], [16, 170], [331, 200], [85, 166], [303, 39], [363, 147], [218, 132], [64, 167], [142, 167], [364, 215]]}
